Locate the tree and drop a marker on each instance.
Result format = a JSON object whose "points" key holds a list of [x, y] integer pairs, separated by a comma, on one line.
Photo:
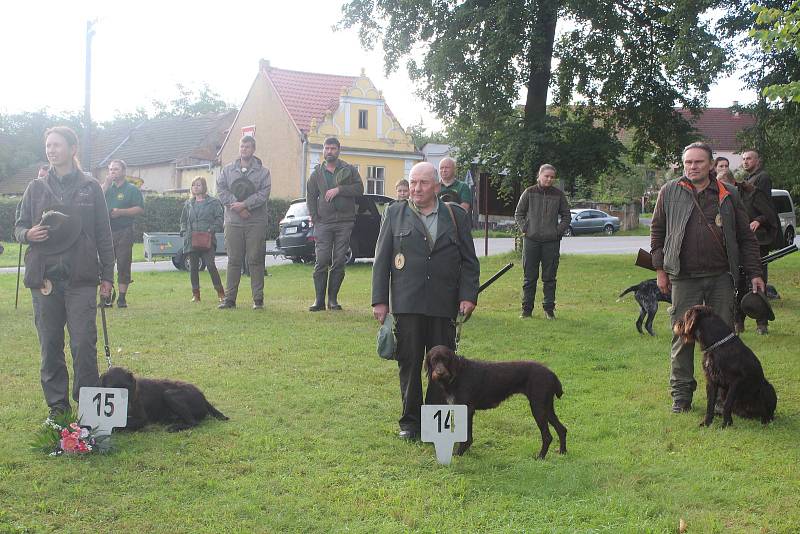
{"points": [[22, 137], [191, 103], [420, 135], [621, 65], [779, 30]]}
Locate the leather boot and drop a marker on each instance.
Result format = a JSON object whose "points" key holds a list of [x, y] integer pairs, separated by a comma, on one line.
{"points": [[196, 295], [333, 291], [220, 293], [320, 283]]}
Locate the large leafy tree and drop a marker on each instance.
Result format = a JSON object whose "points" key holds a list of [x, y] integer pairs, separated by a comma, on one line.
{"points": [[776, 134], [619, 64]]}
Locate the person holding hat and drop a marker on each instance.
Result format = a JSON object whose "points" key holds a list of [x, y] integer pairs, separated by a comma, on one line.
{"points": [[699, 236], [243, 187], [64, 220], [426, 268]]}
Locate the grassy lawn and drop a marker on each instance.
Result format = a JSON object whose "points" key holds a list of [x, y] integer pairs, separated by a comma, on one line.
{"points": [[10, 257], [311, 445]]}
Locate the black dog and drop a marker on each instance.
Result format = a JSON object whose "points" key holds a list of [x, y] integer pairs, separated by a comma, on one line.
{"points": [[647, 295], [180, 404], [484, 385], [730, 367]]}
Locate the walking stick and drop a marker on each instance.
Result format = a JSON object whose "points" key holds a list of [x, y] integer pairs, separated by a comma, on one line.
{"points": [[19, 267]]}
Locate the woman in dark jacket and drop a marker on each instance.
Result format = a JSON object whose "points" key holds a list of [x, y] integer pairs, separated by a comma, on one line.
{"points": [[202, 213]]}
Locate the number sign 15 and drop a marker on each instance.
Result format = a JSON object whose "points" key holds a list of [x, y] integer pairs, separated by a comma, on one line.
{"points": [[103, 408], [444, 425]]}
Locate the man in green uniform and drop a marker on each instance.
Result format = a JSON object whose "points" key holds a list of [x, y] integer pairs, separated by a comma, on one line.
{"points": [[125, 203], [332, 190], [425, 259], [451, 189]]}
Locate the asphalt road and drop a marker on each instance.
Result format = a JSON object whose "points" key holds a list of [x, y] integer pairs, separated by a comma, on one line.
{"points": [[569, 245]]}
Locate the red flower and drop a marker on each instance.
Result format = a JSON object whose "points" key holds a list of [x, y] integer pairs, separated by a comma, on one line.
{"points": [[70, 443]]}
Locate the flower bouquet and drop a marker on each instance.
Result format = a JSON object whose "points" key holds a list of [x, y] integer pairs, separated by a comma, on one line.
{"points": [[62, 434]]}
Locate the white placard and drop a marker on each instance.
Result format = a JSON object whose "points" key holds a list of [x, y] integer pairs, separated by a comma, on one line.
{"points": [[444, 425], [103, 408]]}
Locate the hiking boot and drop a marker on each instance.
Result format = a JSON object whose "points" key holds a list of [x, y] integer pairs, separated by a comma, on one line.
{"points": [[226, 304], [121, 302], [258, 304], [680, 406]]}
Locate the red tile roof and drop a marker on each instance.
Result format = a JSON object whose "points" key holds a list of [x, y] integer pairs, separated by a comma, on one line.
{"points": [[308, 95], [719, 127]]}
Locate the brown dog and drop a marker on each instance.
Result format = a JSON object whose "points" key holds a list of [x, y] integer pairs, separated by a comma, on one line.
{"points": [[731, 368], [180, 404], [483, 385]]}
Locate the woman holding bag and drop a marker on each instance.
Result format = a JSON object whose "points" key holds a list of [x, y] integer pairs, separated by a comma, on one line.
{"points": [[201, 219]]}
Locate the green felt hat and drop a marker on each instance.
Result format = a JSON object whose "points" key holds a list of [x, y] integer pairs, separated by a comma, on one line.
{"points": [[387, 343]]}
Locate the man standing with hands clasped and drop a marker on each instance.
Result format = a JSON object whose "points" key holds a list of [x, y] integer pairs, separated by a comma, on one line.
{"points": [[699, 236], [243, 187], [425, 258], [125, 203]]}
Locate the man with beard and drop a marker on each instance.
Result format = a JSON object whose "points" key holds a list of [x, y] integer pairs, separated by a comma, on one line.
{"points": [[699, 236], [332, 190]]}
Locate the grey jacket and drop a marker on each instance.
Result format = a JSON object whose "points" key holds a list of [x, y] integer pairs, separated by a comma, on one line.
{"points": [[761, 180], [203, 216], [430, 281], [343, 206], [91, 259], [256, 203], [668, 227], [542, 213]]}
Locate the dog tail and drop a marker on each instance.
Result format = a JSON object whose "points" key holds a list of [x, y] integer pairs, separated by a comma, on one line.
{"points": [[216, 413], [632, 288], [558, 390]]}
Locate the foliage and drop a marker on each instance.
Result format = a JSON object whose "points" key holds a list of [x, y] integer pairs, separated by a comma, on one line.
{"points": [[312, 446], [61, 434], [162, 213], [22, 137], [421, 136], [779, 30], [621, 65]]}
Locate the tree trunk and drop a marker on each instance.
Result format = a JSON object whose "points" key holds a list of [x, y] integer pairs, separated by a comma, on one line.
{"points": [[540, 55]]}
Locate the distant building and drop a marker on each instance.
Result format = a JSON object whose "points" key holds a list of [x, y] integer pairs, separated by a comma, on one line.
{"points": [[290, 113], [719, 127]]}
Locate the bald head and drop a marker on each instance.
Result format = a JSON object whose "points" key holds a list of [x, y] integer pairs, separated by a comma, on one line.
{"points": [[447, 170], [423, 185], [751, 161]]}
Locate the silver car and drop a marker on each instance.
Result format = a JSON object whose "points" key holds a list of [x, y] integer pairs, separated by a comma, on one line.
{"points": [[590, 221]]}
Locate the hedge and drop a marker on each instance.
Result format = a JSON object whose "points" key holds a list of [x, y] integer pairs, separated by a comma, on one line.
{"points": [[162, 213]]}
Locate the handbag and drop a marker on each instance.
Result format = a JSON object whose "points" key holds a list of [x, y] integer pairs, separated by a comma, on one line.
{"points": [[201, 241]]}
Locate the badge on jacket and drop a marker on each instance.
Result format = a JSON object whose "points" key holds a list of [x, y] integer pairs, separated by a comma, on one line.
{"points": [[718, 220], [399, 261]]}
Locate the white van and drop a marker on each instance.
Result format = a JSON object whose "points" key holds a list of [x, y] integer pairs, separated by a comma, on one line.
{"points": [[785, 208]]}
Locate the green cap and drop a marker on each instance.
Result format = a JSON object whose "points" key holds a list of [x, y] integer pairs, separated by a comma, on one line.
{"points": [[387, 343]]}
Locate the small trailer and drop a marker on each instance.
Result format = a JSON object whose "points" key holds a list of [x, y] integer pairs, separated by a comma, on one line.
{"points": [[170, 244]]}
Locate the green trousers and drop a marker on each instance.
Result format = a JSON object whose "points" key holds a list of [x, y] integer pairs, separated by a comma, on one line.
{"points": [[715, 291]]}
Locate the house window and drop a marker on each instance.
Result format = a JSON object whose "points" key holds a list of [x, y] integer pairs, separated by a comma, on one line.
{"points": [[362, 119], [375, 180]]}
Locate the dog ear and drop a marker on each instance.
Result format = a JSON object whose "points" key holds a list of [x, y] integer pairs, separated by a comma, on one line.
{"points": [[690, 324]]}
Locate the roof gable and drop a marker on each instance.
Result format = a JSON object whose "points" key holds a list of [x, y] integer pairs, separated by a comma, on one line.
{"points": [[719, 126]]}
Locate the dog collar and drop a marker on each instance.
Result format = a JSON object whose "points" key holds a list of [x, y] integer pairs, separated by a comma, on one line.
{"points": [[720, 342]]}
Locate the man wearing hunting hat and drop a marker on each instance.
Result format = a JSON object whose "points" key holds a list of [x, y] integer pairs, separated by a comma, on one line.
{"points": [[64, 220], [243, 187], [332, 190]]}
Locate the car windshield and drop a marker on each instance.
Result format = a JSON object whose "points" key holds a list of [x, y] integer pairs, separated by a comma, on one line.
{"points": [[298, 209]]}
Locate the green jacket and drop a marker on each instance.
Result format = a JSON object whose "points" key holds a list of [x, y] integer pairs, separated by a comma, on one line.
{"points": [[431, 281], [759, 208], [669, 224], [542, 213], [206, 216], [343, 206]]}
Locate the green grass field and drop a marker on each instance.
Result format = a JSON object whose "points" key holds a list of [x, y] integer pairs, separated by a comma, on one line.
{"points": [[10, 257], [311, 445]]}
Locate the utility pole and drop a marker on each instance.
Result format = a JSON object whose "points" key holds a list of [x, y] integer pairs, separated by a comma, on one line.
{"points": [[86, 157]]}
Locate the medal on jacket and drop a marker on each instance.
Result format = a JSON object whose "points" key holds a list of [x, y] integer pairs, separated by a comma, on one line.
{"points": [[399, 261], [718, 220], [47, 288]]}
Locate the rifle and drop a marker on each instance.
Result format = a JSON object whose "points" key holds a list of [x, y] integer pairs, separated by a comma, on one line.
{"points": [[743, 285], [644, 259]]}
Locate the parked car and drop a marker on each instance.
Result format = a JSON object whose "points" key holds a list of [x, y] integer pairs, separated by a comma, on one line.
{"points": [[587, 221], [785, 208], [296, 236]]}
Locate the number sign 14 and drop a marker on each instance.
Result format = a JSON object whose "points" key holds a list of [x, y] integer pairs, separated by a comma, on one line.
{"points": [[103, 408], [444, 425]]}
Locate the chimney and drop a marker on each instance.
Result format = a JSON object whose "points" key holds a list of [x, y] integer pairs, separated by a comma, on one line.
{"points": [[263, 64]]}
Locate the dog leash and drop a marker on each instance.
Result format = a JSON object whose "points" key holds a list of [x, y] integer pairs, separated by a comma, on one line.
{"points": [[105, 332], [460, 319]]}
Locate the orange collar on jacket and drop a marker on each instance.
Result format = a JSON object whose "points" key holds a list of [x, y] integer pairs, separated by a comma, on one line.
{"points": [[722, 191]]}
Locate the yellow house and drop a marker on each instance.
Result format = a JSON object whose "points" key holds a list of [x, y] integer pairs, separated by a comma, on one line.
{"points": [[290, 114]]}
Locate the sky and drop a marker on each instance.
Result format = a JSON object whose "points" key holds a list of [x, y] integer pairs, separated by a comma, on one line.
{"points": [[142, 49]]}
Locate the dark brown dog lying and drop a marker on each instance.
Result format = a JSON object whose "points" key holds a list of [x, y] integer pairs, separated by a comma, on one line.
{"points": [[484, 385], [179, 404], [730, 367]]}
